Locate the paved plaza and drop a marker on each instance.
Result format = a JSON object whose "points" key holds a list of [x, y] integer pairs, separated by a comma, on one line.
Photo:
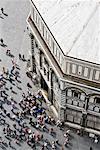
{"points": [[13, 31]]}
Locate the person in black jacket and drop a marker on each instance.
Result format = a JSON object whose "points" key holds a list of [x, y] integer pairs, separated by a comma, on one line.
{"points": [[2, 10], [1, 40], [28, 85]]}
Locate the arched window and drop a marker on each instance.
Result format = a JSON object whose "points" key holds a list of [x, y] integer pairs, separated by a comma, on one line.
{"points": [[97, 100], [91, 99], [76, 93], [69, 93], [96, 109], [82, 97]]}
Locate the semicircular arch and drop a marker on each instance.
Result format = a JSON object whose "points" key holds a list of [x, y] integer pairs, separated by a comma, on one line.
{"points": [[94, 95], [76, 89]]}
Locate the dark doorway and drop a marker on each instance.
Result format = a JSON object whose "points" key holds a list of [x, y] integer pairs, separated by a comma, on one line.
{"points": [[44, 84]]}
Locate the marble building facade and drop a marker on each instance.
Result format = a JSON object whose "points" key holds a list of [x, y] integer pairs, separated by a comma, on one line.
{"points": [[73, 85]]}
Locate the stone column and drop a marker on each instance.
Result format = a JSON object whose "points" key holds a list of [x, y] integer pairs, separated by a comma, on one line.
{"points": [[86, 102], [31, 53], [61, 114], [40, 60], [62, 105], [63, 98], [84, 113], [50, 91], [84, 118], [50, 95]]}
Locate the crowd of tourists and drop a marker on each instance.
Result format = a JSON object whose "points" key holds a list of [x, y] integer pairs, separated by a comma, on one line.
{"points": [[26, 114]]}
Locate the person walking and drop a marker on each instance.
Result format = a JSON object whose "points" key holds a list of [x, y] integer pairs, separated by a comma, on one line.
{"points": [[3, 70], [16, 76], [42, 147], [9, 143], [11, 88], [8, 52], [28, 85], [4, 130], [2, 10], [20, 57], [62, 148], [7, 73], [23, 58], [1, 41], [13, 68]]}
